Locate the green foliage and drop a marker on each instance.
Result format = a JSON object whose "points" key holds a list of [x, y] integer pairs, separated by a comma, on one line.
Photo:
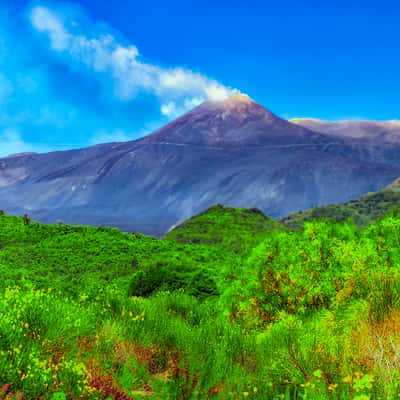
{"points": [[362, 211], [162, 277], [73, 258], [235, 230], [230, 305]]}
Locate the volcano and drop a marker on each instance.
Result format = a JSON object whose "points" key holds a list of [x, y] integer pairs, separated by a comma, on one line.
{"points": [[233, 152], [237, 121]]}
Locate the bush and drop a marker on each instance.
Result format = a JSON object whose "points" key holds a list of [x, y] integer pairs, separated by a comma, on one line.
{"points": [[162, 277]]}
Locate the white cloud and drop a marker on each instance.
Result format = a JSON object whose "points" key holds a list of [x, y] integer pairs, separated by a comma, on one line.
{"points": [[119, 64], [172, 110], [49, 22], [217, 93]]}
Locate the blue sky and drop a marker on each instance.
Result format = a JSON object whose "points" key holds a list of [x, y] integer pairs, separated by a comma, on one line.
{"points": [[79, 73]]}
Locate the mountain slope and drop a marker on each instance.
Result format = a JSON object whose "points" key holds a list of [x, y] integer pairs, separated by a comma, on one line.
{"points": [[234, 152], [375, 131], [363, 210]]}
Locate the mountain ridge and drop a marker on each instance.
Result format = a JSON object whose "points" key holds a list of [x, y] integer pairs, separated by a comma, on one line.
{"points": [[388, 131], [235, 152], [239, 120]]}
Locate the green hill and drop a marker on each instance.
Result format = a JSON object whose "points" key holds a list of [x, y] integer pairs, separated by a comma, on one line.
{"points": [[362, 211], [76, 258], [230, 305], [232, 229]]}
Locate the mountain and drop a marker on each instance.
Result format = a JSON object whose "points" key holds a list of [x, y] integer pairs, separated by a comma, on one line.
{"points": [[233, 152], [363, 210], [236, 122], [378, 141], [374, 131]]}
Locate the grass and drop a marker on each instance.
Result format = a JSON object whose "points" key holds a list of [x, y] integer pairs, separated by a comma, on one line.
{"points": [[230, 305]]}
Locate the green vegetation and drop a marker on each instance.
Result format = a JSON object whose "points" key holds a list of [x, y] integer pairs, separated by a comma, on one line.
{"points": [[237, 229], [362, 211], [395, 185], [230, 305]]}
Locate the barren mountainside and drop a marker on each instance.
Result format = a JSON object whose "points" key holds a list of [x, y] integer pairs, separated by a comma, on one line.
{"points": [[235, 153]]}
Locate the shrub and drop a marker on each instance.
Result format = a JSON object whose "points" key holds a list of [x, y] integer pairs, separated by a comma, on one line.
{"points": [[162, 277], [27, 219]]}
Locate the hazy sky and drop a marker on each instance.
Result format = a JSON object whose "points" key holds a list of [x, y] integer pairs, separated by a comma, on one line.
{"points": [[79, 73]]}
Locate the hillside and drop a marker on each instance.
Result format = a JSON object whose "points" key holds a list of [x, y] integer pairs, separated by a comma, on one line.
{"points": [[231, 229], [80, 258], [362, 211], [95, 313]]}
